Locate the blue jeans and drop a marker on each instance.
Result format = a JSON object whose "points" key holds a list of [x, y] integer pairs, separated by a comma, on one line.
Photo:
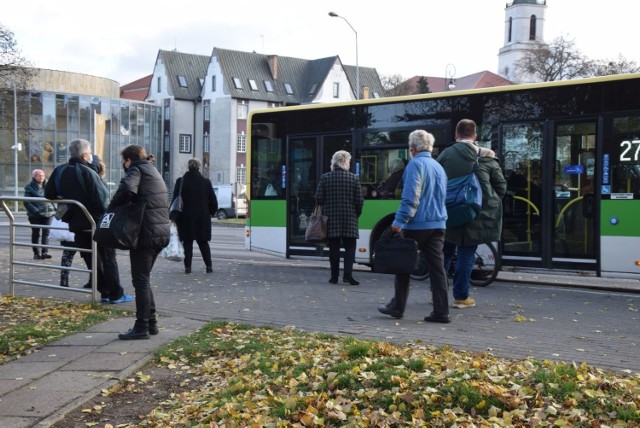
{"points": [[464, 265]]}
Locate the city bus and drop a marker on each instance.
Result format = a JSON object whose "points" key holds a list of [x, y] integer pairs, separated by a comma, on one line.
{"points": [[569, 150]]}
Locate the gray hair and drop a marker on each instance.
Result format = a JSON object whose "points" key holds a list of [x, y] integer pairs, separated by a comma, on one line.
{"points": [[79, 147], [396, 165], [340, 159], [194, 164], [421, 140]]}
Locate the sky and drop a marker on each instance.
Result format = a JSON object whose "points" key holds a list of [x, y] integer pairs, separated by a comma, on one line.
{"points": [[409, 38]]}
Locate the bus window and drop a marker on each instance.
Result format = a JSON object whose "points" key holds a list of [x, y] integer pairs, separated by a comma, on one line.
{"points": [[381, 173], [266, 169]]}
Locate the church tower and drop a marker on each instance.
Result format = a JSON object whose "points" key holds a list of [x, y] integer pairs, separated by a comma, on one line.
{"points": [[523, 31]]}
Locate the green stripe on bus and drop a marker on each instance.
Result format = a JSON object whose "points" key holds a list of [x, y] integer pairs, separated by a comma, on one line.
{"points": [[375, 210], [268, 213], [620, 218]]}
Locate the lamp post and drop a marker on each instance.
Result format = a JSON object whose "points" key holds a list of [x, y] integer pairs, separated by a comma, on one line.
{"points": [[16, 147], [449, 71], [335, 15]]}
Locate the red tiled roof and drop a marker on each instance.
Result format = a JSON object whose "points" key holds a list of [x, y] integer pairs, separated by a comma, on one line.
{"points": [[136, 90], [482, 79]]}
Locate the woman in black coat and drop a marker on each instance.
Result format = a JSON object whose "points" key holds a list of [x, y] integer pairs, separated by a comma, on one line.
{"points": [[340, 196], [199, 205], [142, 181]]}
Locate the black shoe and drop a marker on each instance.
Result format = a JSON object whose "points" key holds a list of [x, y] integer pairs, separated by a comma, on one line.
{"points": [[134, 335], [432, 317], [87, 285], [209, 269], [45, 256], [153, 328], [36, 256], [333, 280], [187, 270], [351, 280], [390, 310]]}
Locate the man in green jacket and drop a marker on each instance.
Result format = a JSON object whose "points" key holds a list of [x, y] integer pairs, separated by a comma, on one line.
{"points": [[457, 160]]}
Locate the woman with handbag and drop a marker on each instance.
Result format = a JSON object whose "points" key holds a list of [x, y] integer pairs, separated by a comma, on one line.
{"points": [[341, 199], [194, 222], [143, 183]]}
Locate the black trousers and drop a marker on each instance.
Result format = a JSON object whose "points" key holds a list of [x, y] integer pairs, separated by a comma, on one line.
{"points": [[36, 232], [142, 261], [108, 274], [430, 243], [204, 250], [349, 245]]}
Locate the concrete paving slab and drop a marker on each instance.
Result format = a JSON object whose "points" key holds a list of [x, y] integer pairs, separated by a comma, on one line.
{"points": [[8, 385], [61, 382], [34, 402], [58, 353], [17, 422], [86, 339], [19, 370], [101, 361]]}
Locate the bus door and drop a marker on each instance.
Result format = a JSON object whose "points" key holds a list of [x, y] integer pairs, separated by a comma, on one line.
{"points": [[549, 208], [573, 198], [309, 158]]}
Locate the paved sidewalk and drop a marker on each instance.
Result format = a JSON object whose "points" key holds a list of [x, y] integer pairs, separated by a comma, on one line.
{"points": [[40, 388], [568, 317]]}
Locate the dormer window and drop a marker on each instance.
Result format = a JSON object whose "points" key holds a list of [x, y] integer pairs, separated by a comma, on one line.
{"points": [[237, 83], [253, 85], [268, 86], [288, 89], [182, 81]]}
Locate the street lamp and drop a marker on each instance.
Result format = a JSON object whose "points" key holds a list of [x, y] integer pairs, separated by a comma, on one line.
{"points": [[335, 15], [449, 71], [16, 146]]}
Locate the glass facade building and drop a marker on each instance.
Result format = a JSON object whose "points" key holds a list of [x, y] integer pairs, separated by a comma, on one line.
{"points": [[47, 121]]}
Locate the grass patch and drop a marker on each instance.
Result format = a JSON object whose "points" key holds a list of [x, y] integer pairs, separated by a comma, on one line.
{"points": [[28, 323]]}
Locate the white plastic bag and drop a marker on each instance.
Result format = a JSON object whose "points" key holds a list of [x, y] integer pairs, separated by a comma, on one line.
{"points": [[174, 251], [60, 234]]}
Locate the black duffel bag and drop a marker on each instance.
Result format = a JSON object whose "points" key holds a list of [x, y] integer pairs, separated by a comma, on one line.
{"points": [[393, 253]]}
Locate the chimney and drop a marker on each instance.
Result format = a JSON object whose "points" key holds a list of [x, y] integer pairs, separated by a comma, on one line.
{"points": [[273, 65]]}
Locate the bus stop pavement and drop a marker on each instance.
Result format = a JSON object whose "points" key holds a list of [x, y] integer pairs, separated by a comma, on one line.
{"points": [[38, 389]]}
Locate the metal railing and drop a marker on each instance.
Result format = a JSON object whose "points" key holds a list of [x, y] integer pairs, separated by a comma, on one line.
{"points": [[14, 243]]}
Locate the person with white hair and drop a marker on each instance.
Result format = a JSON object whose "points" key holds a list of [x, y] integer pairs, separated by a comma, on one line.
{"points": [[422, 216], [40, 213], [341, 199]]}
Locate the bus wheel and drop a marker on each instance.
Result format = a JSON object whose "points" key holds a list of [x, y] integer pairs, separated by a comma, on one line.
{"points": [[221, 214]]}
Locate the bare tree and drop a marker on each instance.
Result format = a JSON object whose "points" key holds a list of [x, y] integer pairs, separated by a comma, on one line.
{"points": [[606, 67], [394, 84], [15, 69], [560, 60]]}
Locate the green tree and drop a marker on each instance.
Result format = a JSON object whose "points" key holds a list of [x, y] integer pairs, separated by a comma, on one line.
{"points": [[423, 85]]}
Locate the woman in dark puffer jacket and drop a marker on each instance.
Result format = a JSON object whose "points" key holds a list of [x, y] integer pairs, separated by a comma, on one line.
{"points": [[143, 181]]}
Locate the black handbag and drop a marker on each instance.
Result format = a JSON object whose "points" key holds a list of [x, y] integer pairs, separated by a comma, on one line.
{"points": [[177, 205], [120, 226], [393, 253]]}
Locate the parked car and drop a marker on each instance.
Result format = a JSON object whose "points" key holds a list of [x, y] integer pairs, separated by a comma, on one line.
{"points": [[229, 204]]}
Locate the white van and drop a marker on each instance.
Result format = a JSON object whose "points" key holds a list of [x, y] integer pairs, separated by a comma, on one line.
{"points": [[229, 204]]}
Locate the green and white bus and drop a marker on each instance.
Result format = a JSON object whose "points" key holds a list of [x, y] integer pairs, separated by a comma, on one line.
{"points": [[570, 152]]}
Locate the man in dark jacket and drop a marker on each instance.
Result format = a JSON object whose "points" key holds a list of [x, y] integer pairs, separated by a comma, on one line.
{"points": [[78, 181], [457, 160]]}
